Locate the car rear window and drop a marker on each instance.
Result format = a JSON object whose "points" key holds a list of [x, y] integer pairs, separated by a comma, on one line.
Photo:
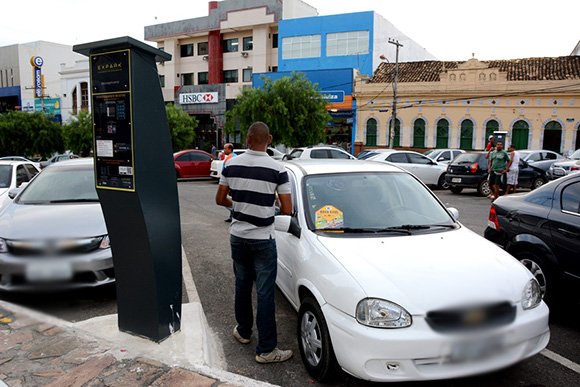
{"points": [[465, 158], [5, 176]]}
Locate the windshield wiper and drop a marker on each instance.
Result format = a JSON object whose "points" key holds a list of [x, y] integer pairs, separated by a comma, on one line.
{"points": [[363, 230], [74, 201]]}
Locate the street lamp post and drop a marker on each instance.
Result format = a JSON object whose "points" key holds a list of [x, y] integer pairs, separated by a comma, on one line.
{"points": [[394, 118]]}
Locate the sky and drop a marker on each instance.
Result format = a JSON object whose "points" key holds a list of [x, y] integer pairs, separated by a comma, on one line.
{"points": [[448, 29]]}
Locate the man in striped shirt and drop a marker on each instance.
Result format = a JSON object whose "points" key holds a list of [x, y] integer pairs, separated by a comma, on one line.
{"points": [[252, 180]]}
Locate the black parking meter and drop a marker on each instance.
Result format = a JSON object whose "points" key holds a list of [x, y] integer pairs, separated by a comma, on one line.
{"points": [[136, 183]]}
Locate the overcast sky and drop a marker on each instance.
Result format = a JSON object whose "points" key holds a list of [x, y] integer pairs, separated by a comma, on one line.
{"points": [[449, 29]]}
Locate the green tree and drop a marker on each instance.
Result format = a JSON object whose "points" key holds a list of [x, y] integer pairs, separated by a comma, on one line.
{"points": [[78, 134], [23, 133], [292, 107], [181, 126]]}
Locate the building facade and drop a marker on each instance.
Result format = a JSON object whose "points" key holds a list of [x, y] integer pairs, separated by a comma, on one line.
{"points": [[458, 104], [356, 40], [30, 79], [214, 57]]}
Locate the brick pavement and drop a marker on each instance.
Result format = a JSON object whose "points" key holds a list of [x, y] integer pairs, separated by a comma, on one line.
{"points": [[39, 353]]}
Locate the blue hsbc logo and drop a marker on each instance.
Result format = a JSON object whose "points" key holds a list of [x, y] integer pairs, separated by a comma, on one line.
{"points": [[335, 96]]}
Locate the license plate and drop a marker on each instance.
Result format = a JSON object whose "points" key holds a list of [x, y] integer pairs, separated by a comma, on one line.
{"points": [[51, 271], [476, 349], [456, 180]]}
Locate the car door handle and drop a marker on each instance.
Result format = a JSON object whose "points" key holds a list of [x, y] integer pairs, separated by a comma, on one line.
{"points": [[569, 233]]}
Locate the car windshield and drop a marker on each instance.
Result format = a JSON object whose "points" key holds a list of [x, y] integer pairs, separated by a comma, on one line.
{"points": [[372, 202], [61, 185], [368, 155], [432, 153], [575, 155], [5, 176]]}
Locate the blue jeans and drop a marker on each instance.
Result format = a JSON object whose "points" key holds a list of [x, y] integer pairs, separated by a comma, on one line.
{"points": [[256, 260]]}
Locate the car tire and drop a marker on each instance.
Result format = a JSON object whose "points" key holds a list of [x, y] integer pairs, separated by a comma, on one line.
{"points": [[537, 183], [456, 190], [314, 342], [442, 184], [542, 272], [483, 188]]}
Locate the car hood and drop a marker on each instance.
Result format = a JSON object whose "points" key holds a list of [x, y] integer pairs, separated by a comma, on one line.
{"points": [[431, 271], [55, 221], [3, 191]]}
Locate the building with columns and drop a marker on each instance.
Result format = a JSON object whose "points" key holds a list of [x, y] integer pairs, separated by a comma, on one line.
{"points": [[214, 57], [444, 104]]}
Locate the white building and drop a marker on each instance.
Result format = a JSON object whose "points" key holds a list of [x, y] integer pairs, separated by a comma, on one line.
{"points": [[213, 57], [30, 84]]}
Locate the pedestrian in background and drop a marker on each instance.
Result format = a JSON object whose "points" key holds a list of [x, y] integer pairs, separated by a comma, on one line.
{"points": [[490, 146], [498, 160], [228, 154], [214, 151], [253, 179], [513, 169]]}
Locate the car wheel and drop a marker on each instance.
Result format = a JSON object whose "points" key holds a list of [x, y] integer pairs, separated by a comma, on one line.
{"points": [[314, 342], [456, 190], [442, 184], [541, 272], [483, 188], [537, 183]]}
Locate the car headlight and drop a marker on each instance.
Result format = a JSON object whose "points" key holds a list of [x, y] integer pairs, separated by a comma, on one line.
{"points": [[378, 313], [532, 295], [3, 246], [105, 242]]}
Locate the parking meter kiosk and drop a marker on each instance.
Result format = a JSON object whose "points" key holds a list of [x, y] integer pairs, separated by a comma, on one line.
{"points": [[136, 183]]}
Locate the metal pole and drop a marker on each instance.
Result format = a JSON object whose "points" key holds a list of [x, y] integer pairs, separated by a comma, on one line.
{"points": [[392, 124]]}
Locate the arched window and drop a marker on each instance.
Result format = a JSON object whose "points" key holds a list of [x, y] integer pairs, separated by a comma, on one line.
{"points": [[553, 136], [442, 134], [419, 133], [371, 132], [520, 132], [466, 140], [577, 138], [490, 127]]}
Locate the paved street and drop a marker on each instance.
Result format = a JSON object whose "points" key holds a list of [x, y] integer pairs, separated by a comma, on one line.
{"points": [[205, 239]]}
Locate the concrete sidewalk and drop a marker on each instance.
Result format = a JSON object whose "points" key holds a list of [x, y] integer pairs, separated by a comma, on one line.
{"points": [[41, 350]]}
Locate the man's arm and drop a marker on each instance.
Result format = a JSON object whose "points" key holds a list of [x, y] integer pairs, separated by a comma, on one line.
{"points": [[511, 157], [285, 204], [221, 196]]}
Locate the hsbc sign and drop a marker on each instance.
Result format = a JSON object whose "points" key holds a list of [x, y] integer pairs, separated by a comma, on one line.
{"points": [[190, 98]]}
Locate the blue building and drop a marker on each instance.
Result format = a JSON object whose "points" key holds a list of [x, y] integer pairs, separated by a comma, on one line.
{"points": [[331, 51]]}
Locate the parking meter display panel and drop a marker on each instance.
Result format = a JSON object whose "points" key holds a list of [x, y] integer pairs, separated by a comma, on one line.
{"points": [[113, 131]]}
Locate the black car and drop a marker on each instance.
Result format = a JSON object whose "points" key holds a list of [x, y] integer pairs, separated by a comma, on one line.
{"points": [[469, 170], [542, 230]]}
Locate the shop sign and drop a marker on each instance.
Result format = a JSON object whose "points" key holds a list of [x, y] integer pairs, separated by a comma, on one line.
{"points": [[336, 96], [196, 98]]}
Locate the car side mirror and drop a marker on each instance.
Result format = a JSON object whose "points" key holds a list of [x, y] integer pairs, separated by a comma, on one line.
{"points": [[454, 212], [13, 192], [287, 223], [441, 159]]}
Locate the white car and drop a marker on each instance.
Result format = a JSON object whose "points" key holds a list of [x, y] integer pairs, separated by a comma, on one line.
{"points": [[390, 287], [319, 152], [443, 156], [427, 170], [565, 167], [215, 170], [12, 175]]}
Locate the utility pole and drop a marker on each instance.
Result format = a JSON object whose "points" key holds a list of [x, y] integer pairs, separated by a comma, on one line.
{"points": [[394, 119]]}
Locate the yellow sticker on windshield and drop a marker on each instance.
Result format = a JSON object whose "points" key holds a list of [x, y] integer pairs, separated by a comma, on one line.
{"points": [[329, 217]]}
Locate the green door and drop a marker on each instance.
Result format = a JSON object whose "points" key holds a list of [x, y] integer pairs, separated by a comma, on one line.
{"points": [[442, 134], [466, 140], [419, 133], [520, 132]]}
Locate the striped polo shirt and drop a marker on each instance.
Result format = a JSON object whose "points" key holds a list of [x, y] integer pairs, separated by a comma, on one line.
{"points": [[253, 179]]}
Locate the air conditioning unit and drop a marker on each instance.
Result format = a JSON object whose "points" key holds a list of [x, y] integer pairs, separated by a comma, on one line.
{"points": [[244, 54], [205, 58]]}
